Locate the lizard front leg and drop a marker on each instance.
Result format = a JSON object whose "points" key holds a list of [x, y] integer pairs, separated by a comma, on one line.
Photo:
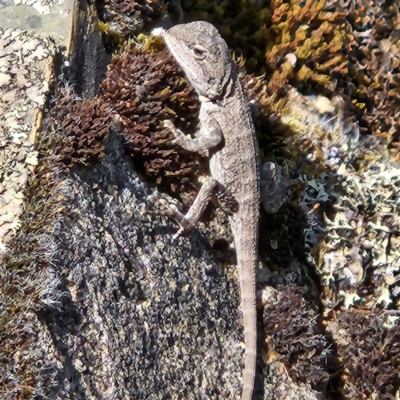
{"points": [[204, 140]]}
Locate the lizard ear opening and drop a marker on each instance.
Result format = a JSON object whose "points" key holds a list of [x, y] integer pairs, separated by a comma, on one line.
{"points": [[199, 51]]}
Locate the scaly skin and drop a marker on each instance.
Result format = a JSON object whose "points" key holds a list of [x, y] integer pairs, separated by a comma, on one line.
{"points": [[227, 132]]}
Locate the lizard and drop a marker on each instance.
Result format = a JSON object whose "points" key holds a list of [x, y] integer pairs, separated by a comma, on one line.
{"points": [[227, 134]]}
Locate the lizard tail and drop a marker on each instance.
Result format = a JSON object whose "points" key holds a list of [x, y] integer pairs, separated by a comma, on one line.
{"points": [[248, 297]]}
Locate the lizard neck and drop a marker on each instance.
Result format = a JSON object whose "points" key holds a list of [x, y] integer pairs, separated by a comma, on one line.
{"points": [[229, 89], [230, 85]]}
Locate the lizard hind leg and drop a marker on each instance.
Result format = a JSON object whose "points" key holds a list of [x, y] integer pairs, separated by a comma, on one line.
{"points": [[188, 221]]}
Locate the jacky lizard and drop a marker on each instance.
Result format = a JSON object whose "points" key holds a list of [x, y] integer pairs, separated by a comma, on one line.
{"points": [[227, 133]]}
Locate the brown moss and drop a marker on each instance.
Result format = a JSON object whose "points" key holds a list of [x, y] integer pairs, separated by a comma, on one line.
{"points": [[295, 338], [144, 89], [375, 85], [314, 37], [82, 125], [370, 353]]}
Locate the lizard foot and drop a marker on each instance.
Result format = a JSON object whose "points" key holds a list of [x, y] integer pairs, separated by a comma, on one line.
{"points": [[165, 209], [180, 138]]}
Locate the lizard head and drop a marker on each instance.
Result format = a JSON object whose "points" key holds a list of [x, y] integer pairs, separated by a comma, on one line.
{"points": [[203, 55]]}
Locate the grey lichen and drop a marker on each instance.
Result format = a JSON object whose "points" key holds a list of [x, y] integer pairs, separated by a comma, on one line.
{"points": [[350, 199], [30, 286], [362, 228], [25, 68], [30, 196]]}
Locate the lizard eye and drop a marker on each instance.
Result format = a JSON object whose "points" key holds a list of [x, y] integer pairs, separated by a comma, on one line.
{"points": [[199, 51]]}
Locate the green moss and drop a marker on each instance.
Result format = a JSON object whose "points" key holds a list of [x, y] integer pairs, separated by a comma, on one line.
{"points": [[112, 40]]}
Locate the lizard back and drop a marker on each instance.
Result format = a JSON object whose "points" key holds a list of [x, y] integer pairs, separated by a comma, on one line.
{"points": [[235, 166]]}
